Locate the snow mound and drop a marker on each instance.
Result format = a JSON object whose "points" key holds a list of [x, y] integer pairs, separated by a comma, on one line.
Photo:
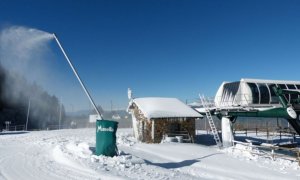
{"points": [[240, 150], [251, 153], [81, 150], [60, 156], [79, 155], [120, 162], [125, 139]]}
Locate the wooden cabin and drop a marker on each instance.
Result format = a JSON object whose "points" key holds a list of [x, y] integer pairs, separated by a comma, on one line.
{"points": [[154, 119]]}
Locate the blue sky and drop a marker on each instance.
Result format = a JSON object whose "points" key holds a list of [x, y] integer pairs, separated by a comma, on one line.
{"points": [[163, 48]]}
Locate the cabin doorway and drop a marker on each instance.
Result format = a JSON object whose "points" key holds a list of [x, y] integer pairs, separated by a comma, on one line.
{"points": [[174, 127]]}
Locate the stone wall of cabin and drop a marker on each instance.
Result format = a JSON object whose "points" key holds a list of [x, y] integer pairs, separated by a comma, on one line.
{"points": [[144, 125]]}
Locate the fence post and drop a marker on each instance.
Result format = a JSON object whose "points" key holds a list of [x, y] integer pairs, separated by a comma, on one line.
{"points": [[280, 134], [298, 157], [273, 155]]}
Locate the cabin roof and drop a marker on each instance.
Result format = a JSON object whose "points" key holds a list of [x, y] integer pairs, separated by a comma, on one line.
{"points": [[269, 81], [158, 107]]}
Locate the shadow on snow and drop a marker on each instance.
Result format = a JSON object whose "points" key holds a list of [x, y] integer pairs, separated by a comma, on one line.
{"points": [[174, 165], [13, 132]]}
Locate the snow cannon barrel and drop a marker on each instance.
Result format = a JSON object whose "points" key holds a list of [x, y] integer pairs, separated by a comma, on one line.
{"points": [[106, 138]]}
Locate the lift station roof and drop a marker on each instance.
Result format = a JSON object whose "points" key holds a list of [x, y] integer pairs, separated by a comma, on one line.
{"points": [[249, 92]]}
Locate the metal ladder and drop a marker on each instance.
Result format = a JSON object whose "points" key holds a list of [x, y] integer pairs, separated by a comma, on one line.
{"points": [[211, 121]]}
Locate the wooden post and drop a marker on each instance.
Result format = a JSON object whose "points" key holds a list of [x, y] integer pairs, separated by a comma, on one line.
{"points": [[153, 130], [294, 138], [143, 129], [28, 112], [280, 134], [298, 154], [267, 130]]}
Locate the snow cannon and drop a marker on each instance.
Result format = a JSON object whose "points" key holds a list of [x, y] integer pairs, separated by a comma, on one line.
{"points": [[105, 129], [106, 138]]}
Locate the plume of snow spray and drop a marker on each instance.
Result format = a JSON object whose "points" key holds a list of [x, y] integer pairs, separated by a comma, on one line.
{"points": [[20, 47], [23, 54]]}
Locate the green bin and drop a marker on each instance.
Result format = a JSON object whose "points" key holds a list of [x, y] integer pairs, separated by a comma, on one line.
{"points": [[106, 138]]}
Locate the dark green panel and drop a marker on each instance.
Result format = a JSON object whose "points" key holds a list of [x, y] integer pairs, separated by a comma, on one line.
{"points": [[106, 137], [276, 112]]}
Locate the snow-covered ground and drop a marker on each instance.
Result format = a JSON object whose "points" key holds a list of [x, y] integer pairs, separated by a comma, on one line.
{"points": [[68, 154]]}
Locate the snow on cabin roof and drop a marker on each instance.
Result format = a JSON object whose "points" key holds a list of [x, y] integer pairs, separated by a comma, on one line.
{"points": [[270, 81], [157, 107]]}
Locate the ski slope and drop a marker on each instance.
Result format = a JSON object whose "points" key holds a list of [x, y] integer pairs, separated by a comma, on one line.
{"points": [[68, 154]]}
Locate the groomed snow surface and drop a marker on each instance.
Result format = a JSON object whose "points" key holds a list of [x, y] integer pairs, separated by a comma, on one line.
{"points": [[68, 154]]}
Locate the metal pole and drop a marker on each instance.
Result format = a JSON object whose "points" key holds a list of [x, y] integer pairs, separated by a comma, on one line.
{"points": [[60, 107], [75, 72], [28, 111], [111, 106]]}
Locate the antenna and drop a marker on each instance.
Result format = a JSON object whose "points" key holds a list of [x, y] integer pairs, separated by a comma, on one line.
{"points": [[129, 94]]}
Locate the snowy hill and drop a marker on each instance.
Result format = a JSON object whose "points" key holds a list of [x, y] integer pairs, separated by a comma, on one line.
{"points": [[68, 154], [82, 118]]}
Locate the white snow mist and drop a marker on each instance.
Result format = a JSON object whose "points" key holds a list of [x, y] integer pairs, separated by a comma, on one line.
{"points": [[24, 53], [21, 47]]}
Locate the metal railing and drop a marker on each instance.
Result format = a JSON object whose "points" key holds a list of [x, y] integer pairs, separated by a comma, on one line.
{"points": [[292, 154], [16, 128], [23, 128]]}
